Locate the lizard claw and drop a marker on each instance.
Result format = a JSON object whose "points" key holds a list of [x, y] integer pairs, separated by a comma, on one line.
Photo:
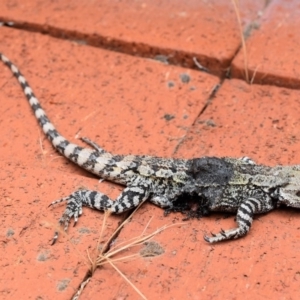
{"points": [[55, 237], [222, 232], [206, 238]]}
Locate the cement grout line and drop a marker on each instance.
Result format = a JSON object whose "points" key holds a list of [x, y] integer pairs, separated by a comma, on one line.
{"points": [[222, 70], [208, 102], [172, 56]]}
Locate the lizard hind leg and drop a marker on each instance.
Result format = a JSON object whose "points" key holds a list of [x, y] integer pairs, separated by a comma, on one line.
{"points": [[94, 145], [244, 219]]}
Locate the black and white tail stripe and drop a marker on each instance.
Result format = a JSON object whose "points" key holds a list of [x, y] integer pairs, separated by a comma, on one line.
{"points": [[40, 114], [94, 161]]}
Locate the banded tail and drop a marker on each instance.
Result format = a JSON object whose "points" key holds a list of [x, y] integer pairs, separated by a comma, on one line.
{"points": [[94, 161]]}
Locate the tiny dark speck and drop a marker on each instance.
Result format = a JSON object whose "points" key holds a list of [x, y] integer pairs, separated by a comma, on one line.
{"points": [[84, 230], [63, 284], [185, 78], [10, 232], [169, 117], [42, 257], [162, 58], [171, 84], [210, 123]]}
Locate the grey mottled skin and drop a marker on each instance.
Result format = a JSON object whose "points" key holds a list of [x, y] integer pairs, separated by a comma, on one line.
{"points": [[218, 184]]}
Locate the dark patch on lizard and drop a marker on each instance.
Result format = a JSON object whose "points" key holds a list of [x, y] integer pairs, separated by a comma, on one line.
{"points": [[62, 146], [92, 160], [191, 205], [211, 171], [211, 175], [117, 158], [52, 133], [171, 166], [74, 155]]}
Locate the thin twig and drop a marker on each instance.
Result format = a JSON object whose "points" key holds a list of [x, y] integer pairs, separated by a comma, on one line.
{"points": [[121, 226], [126, 279], [147, 225], [136, 241], [127, 258], [242, 38], [106, 214], [254, 73]]}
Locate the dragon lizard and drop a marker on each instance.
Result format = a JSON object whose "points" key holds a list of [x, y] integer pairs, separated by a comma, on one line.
{"points": [[216, 184]]}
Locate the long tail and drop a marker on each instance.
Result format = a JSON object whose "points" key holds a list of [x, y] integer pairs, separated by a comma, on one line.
{"points": [[58, 141], [91, 160]]}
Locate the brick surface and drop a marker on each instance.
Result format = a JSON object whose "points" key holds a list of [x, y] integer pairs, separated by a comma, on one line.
{"points": [[192, 269], [176, 29], [272, 50], [256, 121], [30, 267]]}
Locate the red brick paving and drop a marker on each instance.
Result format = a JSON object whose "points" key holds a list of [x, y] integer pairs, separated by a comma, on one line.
{"points": [[177, 29], [137, 105], [273, 48]]}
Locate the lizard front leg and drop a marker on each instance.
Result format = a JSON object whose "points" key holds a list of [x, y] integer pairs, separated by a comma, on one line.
{"points": [[130, 198], [244, 219]]}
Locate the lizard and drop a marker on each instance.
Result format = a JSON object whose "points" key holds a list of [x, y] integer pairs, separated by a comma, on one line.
{"points": [[217, 184]]}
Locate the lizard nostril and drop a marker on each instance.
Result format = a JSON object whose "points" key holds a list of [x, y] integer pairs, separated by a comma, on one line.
{"points": [[298, 194]]}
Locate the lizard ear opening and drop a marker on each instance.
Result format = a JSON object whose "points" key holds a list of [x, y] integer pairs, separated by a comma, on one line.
{"points": [[298, 194]]}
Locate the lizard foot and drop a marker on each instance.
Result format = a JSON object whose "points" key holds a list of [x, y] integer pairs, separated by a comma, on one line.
{"points": [[224, 235], [73, 210]]}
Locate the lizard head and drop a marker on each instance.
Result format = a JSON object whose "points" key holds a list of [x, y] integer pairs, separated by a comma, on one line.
{"points": [[289, 196]]}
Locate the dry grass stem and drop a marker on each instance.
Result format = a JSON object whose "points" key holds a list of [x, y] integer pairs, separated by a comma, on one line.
{"points": [[106, 213], [41, 145], [254, 73], [147, 225], [126, 279], [119, 228], [56, 157], [106, 258], [123, 258], [90, 115], [135, 242], [199, 66], [237, 12]]}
